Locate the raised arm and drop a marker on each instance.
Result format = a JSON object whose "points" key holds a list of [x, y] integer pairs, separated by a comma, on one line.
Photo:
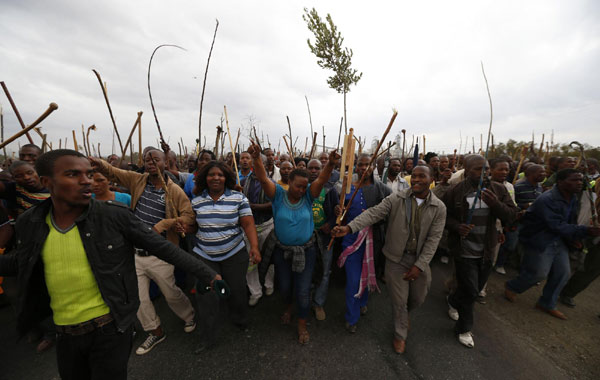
{"points": [[124, 178], [317, 185], [261, 174]]}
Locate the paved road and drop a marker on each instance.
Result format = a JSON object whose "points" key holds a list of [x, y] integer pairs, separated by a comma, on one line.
{"points": [[268, 350]]}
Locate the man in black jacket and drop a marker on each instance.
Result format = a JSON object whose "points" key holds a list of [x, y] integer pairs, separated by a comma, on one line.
{"points": [[74, 260]]}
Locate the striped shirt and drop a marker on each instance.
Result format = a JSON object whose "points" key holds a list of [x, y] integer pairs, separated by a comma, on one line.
{"points": [[219, 233], [150, 208], [21, 199], [474, 242]]}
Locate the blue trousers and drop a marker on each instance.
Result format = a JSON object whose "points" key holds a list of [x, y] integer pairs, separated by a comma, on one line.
{"points": [[508, 248], [353, 266], [551, 264], [300, 282]]}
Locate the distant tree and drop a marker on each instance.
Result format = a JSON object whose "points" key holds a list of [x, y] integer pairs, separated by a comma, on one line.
{"points": [[331, 55]]}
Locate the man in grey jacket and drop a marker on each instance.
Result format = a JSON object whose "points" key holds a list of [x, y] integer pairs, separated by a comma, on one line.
{"points": [[416, 219]]}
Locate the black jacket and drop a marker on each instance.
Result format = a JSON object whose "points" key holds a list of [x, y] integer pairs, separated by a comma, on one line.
{"points": [[108, 231]]}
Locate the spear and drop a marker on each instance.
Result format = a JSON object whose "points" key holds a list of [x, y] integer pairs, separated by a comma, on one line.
{"points": [[112, 118], [323, 138]]}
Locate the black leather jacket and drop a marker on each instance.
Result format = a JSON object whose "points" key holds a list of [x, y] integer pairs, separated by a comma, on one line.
{"points": [[108, 230]]}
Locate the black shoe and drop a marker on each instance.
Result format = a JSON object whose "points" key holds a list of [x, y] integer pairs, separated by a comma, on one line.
{"points": [[569, 301], [351, 328]]}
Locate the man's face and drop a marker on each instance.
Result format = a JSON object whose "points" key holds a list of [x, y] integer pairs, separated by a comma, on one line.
{"points": [[500, 172], [434, 162], [285, 170], [475, 168], [420, 180], [539, 175], [27, 177], [362, 165], [191, 163], [408, 165], [245, 160], [572, 184], [29, 154], [314, 169], [283, 158], [113, 159], [444, 163], [204, 159], [151, 157], [270, 157], [71, 181], [324, 158], [395, 167], [570, 163]]}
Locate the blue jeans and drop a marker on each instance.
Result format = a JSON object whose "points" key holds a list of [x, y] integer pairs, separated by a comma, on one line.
{"points": [[321, 291], [509, 247], [551, 263], [353, 266], [300, 281]]}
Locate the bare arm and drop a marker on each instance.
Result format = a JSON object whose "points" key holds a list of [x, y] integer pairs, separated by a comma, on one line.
{"points": [[261, 174], [247, 223]]}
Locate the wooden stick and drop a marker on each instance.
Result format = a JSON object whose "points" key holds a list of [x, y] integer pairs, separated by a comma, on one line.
{"points": [[140, 149], [424, 149], [204, 84], [87, 136], [237, 174], [540, 151], [237, 139], [112, 118], [386, 150], [44, 144], [51, 108], [523, 155], [99, 154], [75, 141], [312, 148], [340, 133], [290, 129], [124, 152], [15, 110], [290, 152], [83, 138]]}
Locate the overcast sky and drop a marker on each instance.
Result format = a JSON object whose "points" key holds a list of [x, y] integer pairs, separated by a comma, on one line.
{"points": [[422, 58]]}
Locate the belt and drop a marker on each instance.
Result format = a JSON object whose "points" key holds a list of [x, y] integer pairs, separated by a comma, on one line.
{"points": [[141, 252], [85, 327]]}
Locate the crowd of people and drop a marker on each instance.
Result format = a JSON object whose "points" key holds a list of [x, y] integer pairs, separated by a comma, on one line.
{"points": [[92, 242]]}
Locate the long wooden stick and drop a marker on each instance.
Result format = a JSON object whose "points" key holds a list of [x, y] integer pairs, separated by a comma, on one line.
{"points": [[237, 173], [75, 141], [340, 133], [204, 83], [87, 136], [16, 111], [309, 115], [290, 129], [112, 118], [289, 151], [85, 149], [313, 147], [51, 108], [124, 152], [237, 139], [140, 149]]}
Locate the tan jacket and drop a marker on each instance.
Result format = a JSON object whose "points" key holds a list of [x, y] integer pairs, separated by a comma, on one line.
{"points": [[396, 209], [136, 182]]}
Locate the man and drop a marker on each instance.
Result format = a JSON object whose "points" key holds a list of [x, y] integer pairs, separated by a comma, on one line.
{"points": [[285, 168], [324, 218], [283, 157], [335, 174], [444, 163], [593, 168], [561, 163], [272, 170], [113, 159], [191, 163], [245, 167], [528, 189], [263, 220], [472, 241], [548, 228], [164, 210], [74, 261], [394, 180], [416, 221], [29, 153]]}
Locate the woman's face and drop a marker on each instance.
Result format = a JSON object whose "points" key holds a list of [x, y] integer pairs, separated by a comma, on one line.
{"points": [[301, 164], [204, 159], [27, 177], [100, 184], [297, 187], [285, 170], [215, 180]]}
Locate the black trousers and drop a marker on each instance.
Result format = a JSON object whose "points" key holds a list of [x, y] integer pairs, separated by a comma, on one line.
{"points": [[100, 354], [583, 278], [471, 276]]}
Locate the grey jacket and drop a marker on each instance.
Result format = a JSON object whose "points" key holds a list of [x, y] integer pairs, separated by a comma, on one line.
{"points": [[396, 208]]}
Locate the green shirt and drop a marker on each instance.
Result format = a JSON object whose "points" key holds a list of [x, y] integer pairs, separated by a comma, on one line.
{"points": [[319, 216]]}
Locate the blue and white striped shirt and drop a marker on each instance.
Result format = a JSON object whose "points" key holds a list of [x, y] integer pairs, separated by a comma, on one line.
{"points": [[219, 233]]}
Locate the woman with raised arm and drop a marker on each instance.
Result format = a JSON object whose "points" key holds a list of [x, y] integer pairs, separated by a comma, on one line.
{"points": [[292, 244]]}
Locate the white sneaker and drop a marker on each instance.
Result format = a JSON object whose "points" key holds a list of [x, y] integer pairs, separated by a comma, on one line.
{"points": [[500, 270], [444, 259], [269, 291], [151, 341], [253, 301], [452, 312], [466, 339], [482, 293], [189, 326]]}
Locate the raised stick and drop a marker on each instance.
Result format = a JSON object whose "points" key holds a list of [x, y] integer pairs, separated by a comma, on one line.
{"points": [[340, 133], [85, 148], [51, 108], [312, 148], [204, 83], [140, 149], [75, 141], [87, 136], [16, 111], [237, 174], [290, 129], [112, 118], [289, 151], [309, 115], [124, 152]]}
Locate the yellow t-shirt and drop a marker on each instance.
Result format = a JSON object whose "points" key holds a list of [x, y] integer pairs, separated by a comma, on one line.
{"points": [[74, 293], [284, 185]]}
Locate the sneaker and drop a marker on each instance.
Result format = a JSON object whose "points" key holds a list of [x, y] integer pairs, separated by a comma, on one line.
{"points": [[253, 301], [444, 259], [319, 313], [189, 326], [452, 312], [482, 293], [466, 339], [269, 291], [151, 341], [500, 270]]}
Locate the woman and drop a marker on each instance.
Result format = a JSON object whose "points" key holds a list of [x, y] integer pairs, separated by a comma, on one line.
{"points": [[101, 191], [292, 244], [203, 158], [285, 169], [221, 215]]}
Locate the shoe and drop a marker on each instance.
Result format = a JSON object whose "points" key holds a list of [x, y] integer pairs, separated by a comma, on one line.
{"points": [[319, 313], [399, 345], [151, 341], [452, 312], [44, 346], [569, 301], [444, 259], [501, 270], [351, 328], [466, 339], [482, 293], [364, 310], [253, 301], [553, 312], [269, 291], [509, 294], [481, 300], [189, 326]]}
